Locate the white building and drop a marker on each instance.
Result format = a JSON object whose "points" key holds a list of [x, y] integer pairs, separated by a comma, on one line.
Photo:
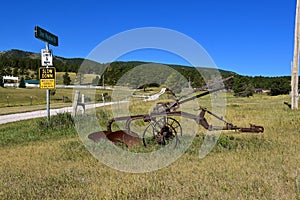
{"points": [[10, 81]]}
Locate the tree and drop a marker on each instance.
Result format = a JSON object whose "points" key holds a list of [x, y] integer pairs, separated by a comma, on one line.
{"points": [[95, 81], [279, 86], [175, 82], [8, 71], [66, 79], [229, 84], [15, 71], [242, 86], [22, 83], [1, 81], [79, 78]]}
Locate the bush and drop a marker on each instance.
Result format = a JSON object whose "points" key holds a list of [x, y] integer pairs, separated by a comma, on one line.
{"points": [[60, 120]]}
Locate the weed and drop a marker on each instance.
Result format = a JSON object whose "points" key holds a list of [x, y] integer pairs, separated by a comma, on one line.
{"points": [[61, 120]]}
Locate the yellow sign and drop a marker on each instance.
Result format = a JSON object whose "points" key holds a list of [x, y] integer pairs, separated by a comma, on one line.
{"points": [[47, 83], [47, 78]]}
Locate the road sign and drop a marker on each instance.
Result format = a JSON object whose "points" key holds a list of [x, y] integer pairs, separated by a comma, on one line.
{"points": [[45, 36], [47, 77], [46, 57]]}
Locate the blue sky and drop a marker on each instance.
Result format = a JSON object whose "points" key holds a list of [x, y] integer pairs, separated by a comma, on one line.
{"points": [[248, 37]]}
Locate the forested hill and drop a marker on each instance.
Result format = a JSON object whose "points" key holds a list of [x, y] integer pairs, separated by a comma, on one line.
{"points": [[21, 63], [32, 61], [28, 60]]}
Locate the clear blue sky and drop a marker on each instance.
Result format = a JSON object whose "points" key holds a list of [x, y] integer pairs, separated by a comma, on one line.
{"points": [[250, 37]]}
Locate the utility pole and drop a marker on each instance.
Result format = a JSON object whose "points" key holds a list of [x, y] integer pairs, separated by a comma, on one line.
{"points": [[295, 70]]}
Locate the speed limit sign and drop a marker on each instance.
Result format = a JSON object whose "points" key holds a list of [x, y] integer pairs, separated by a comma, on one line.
{"points": [[46, 57]]}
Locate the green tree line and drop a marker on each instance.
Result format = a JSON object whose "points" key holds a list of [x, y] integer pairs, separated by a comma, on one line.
{"points": [[26, 64]]}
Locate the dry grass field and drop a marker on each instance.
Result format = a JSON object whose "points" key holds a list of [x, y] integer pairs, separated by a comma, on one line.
{"points": [[87, 77], [15, 100], [52, 163]]}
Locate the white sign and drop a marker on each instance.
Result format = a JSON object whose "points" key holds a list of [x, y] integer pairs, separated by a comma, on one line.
{"points": [[46, 57]]}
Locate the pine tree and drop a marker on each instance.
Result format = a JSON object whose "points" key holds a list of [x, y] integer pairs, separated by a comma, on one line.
{"points": [[79, 78], [175, 82], [1, 81], [279, 86], [66, 79], [22, 83], [95, 81], [242, 86]]}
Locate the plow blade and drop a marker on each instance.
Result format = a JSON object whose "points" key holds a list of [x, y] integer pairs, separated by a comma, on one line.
{"points": [[128, 138]]}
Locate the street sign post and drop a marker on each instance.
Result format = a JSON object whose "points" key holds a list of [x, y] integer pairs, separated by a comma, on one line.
{"points": [[47, 75]]}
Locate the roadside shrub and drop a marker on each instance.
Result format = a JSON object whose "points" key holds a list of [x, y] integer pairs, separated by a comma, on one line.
{"points": [[64, 120]]}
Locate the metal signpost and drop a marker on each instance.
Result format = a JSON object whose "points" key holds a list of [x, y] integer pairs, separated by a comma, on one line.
{"points": [[46, 74]]}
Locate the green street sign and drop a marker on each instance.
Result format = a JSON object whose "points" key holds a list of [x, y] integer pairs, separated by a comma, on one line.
{"points": [[45, 36]]}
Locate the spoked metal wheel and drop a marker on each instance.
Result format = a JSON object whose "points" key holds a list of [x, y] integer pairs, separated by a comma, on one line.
{"points": [[162, 132]]}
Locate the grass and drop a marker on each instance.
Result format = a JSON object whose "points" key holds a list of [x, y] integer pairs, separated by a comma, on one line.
{"points": [[60, 80], [16, 100], [87, 77], [36, 130], [52, 163], [13, 97]]}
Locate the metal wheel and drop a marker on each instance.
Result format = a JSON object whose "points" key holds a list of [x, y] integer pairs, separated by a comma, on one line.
{"points": [[162, 131]]}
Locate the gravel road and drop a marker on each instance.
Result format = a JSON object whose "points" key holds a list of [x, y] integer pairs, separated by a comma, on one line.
{"points": [[42, 113]]}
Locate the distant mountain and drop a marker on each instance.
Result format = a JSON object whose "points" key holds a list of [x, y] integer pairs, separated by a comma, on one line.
{"points": [[28, 60], [15, 53], [73, 64], [23, 63]]}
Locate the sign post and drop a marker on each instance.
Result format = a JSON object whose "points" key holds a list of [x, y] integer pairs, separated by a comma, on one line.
{"points": [[47, 74]]}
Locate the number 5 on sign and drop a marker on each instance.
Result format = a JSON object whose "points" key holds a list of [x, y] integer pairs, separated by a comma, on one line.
{"points": [[47, 59]]}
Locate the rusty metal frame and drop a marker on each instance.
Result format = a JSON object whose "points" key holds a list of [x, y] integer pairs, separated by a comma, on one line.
{"points": [[169, 110]]}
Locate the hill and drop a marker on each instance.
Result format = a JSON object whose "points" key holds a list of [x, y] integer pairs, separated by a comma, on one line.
{"points": [[29, 60], [22, 63], [15, 57]]}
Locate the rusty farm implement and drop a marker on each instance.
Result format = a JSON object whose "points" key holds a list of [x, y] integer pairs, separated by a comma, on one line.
{"points": [[162, 125]]}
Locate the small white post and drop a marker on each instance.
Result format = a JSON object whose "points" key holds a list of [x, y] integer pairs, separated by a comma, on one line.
{"points": [[75, 103], [82, 103]]}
